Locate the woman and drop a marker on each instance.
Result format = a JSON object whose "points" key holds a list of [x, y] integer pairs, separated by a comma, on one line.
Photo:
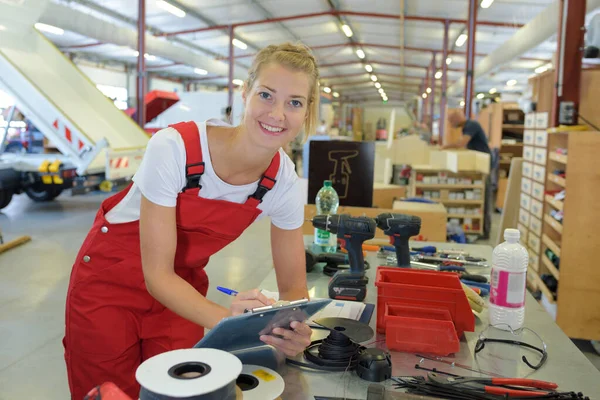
{"points": [[138, 286]]}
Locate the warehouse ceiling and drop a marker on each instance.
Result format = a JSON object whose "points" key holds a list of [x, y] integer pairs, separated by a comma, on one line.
{"points": [[399, 50]]}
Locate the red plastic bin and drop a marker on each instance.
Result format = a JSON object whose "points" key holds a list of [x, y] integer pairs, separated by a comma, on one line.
{"points": [[420, 329], [423, 288]]}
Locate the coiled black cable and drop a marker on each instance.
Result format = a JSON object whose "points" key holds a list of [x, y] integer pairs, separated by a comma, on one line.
{"points": [[334, 353]]}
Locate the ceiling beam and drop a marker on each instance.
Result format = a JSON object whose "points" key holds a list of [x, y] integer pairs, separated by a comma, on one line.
{"points": [[391, 64], [394, 47], [340, 13]]}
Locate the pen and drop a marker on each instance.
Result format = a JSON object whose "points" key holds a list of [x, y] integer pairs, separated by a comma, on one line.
{"points": [[227, 291]]}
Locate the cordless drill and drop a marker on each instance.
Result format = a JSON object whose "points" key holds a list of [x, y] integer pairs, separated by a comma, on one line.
{"points": [[353, 231], [399, 227]]}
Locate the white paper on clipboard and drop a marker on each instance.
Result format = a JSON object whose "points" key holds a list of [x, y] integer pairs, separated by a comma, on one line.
{"points": [[335, 309]]}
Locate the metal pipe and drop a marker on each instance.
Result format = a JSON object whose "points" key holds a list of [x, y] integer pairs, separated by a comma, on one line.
{"points": [[231, 66], [391, 47], [432, 86], [469, 78], [339, 13], [444, 99], [571, 31], [141, 65]]}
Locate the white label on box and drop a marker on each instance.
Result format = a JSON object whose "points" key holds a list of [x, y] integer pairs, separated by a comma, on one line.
{"points": [[524, 231], [526, 185], [540, 155], [528, 153], [541, 139], [525, 201], [527, 169], [535, 225], [539, 173], [534, 243], [541, 120], [537, 191], [530, 120], [524, 217], [529, 136], [537, 208]]}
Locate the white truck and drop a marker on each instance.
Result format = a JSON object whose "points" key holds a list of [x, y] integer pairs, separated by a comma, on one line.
{"points": [[96, 141]]}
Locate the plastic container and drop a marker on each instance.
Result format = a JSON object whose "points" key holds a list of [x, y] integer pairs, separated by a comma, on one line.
{"points": [[327, 202], [508, 282], [425, 289], [420, 329]]}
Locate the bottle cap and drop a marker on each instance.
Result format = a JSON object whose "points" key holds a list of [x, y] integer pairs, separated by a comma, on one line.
{"points": [[512, 234], [327, 183]]}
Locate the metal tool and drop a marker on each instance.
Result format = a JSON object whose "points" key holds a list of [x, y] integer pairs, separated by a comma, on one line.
{"points": [[482, 264], [400, 227], [457, 365], [352, 232], [491, 385]]}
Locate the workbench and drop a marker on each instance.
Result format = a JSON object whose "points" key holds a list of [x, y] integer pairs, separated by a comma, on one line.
{"points": [[565, 365]]}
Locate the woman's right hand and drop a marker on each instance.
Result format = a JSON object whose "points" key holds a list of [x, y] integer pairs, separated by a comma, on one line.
{"points": [[249, 300]]}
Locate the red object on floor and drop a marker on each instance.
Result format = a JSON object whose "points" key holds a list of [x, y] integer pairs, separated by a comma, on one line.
{"points": [[112, 322], [425, 289]]}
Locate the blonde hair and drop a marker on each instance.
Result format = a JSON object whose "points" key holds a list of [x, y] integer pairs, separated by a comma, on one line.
{"points": [[297, 57]]}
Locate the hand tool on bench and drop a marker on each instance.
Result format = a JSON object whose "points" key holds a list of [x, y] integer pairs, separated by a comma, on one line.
{"points": [[493, 385], [400, 228], [352, 232]]}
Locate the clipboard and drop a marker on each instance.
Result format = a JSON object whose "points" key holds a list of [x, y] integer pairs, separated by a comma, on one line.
{"points": [[243, 331]]}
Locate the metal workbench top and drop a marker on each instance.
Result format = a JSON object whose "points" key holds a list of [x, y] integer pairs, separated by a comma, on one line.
{"points": [[565, 365]]}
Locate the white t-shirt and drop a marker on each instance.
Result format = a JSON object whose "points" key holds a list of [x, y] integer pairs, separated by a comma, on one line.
{"points": [[161, 177]]}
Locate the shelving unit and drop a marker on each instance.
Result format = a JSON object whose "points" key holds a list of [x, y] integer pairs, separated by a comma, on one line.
{"points": [[472, 222], [575, 304], [531, 213]]}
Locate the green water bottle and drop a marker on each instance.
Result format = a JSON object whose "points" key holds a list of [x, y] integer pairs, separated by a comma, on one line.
{"points": [[327, 202]]}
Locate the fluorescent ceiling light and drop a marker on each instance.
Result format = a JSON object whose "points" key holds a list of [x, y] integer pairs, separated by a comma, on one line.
{"points": [[486, 3], [424, 95], [480, 96], [381, 90], [2, 28], [461, 39], [239, 44], [149, 57], [448, 61], [369, 68], [373, 78], [512, 82], [336, 94], [360, 54], [428, 90], [377, 85], [238, 82], [347, 30], [170, 8], [135, 53], [438, 75], [493, 90], [543, 68], [462, 103], [327, 89], [200, 71], [49, 28]]}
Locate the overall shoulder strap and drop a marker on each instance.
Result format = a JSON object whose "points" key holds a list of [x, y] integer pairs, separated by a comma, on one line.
{"points": [[266, 183], [194, 166]]}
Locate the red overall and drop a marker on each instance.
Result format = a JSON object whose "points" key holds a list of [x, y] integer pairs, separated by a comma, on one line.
{"points": [[112, 322]]}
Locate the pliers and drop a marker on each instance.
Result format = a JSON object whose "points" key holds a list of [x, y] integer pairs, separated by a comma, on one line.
{"points": [[494, 385]]}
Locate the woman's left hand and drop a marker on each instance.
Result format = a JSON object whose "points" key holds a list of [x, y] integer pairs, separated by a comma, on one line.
{"points": [[293, 341]]}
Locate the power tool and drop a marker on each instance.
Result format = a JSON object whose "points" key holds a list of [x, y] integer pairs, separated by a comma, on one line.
{"points": [[352, 232], [399, 227]]}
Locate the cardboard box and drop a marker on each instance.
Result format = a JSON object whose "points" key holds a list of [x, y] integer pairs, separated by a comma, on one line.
{"points": [[433, 218], [468, 160], [385, 194]]}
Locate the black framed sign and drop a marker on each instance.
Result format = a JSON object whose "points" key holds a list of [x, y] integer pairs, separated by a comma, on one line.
{"points": [[349, 165]]}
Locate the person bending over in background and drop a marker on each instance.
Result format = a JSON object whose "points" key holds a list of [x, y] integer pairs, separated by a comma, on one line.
{"points": [[473, 138], [138, 286]]}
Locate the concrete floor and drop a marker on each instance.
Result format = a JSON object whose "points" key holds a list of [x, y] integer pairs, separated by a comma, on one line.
{"points": [[34, 278]]}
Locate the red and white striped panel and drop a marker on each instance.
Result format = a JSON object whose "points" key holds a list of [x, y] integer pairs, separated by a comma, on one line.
{"points": [[119, 162], [69, 136]]}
